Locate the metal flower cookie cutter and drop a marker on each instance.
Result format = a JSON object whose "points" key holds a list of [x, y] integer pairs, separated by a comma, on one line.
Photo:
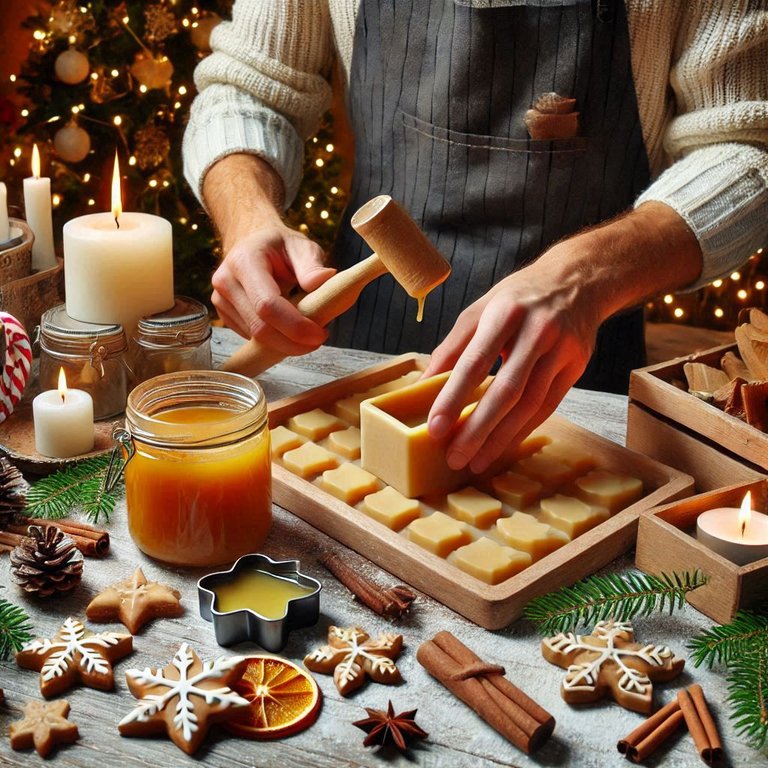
{"points": [[259, 599]]}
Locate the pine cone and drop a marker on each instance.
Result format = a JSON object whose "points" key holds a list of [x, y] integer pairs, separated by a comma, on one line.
{"points": [[13, 490], [47, 562]]}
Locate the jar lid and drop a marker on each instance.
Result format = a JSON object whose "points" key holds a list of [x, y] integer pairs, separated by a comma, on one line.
{"points": [[61, 333], [186, 323]]}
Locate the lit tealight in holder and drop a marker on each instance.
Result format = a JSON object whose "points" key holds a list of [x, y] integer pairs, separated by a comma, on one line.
{"points": [[741, 535]]}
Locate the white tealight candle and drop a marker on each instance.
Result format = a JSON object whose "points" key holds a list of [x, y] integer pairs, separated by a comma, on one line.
{"points": [[63, 421], [740, 535], [5, 231], [37, 206], [118, 267]]}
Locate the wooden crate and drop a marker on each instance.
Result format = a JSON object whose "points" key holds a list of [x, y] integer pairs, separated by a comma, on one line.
{"points": [[669, 424], [666, 543], [492, 607]]}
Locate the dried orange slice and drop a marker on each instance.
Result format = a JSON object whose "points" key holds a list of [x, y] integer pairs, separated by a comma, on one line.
{"points": [[284, 699]]}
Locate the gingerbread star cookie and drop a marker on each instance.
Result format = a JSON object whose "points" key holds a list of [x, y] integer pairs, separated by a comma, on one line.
{"points": [[185, 698], [609, 663], [75, 655], [44, 726], [352, 656], [134, 602]]}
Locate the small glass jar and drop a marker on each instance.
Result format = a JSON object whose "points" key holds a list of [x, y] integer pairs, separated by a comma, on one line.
{"points": [[176, 340], [92, 356], [198, 483]]}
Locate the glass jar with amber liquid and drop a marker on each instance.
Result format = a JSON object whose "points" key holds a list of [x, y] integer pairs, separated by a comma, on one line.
{"points": [[198, 483]]}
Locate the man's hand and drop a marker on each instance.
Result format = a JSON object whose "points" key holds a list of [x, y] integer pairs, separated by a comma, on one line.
{"points": [[543, 321]]}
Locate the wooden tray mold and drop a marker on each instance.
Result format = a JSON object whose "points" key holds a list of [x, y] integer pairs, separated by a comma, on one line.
{"points": [[665, 543], [492, 607]]}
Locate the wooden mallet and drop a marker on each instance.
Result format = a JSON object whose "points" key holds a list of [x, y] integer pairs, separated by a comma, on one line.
{"points": [[400, 247]]}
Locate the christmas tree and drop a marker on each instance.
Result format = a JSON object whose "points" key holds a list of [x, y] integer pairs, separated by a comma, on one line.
{"points": [[104, 75]]}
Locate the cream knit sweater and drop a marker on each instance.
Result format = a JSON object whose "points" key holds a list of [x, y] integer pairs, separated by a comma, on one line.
{"points": [[701, 76]]}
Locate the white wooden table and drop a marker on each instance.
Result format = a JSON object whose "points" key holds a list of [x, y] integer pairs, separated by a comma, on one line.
{"points": [[583, 737]]}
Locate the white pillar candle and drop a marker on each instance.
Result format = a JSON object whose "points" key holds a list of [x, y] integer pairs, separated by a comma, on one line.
{"points": [[63, 421], [740, 535], [118, 267], [37, 206], [5, 230]]}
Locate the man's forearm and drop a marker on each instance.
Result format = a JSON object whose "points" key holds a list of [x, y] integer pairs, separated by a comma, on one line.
{"points": [[242, 193]]}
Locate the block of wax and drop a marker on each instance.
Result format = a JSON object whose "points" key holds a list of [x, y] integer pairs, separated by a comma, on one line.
{"points": [[391, 508], [608, 489], [309, 459], [348, 409], [315, 424], [474, 507], [282, 440], [524, 532], [346, 442], [516, 490], [547, 470], [349, 483], [438, 533], [578, 460], [488, 561], [394, 384], [570, 515]]}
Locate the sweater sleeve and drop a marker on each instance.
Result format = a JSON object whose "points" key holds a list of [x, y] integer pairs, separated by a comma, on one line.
{"points": [[262, 90], [716, 132]]}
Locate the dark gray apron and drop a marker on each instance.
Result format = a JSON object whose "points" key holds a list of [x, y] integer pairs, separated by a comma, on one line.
{"points": [[438, 91]]}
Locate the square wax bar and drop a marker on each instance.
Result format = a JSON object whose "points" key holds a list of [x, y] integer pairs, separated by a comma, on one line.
{"points": [[391, 508], [438, 533], [578, 460], [572, 516], [309, 459], [282, 440], [516, 490], [346, 442], [608, 489], [348, 409], [349, 483], [315, 424], [474, 507], [488, 561], [524, 532]]}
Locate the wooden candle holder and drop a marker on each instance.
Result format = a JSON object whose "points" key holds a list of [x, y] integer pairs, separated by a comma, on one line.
{"points": [[666, 542]]}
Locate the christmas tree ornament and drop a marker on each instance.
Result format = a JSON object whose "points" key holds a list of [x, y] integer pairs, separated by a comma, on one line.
{"points": [[67, 19], [152, 72], [47, 562], [16, 359], [152, 147], [200, 33], [184, 699], [387, 728], [13, 490], [72, 143], [44, 726], [75, 655], [72, 66], [159, 23], [610, 663]]}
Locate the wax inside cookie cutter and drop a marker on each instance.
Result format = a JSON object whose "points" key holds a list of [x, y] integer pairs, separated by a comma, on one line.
{"points": [[259, 599]]}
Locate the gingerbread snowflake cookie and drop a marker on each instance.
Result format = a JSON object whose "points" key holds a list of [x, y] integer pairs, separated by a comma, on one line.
{"points": [[609, 662], [184, 698], [134, 602], [75, 655], [351, 655]]}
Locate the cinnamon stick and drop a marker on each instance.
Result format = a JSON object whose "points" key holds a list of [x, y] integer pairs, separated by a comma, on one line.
{"points": [[11, 540], [91, 541], [651, 733], [482, 687], [700, 723]]}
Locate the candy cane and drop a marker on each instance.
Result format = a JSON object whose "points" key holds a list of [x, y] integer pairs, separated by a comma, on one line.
{"points": [[16, 366]]}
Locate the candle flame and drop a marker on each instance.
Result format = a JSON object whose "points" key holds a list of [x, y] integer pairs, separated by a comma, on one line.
{"points": [[745, 513], [117, 203], [62, 385], [35, 161]]}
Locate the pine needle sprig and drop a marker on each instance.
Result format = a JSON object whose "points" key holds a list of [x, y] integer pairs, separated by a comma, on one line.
{"points": [[616, 596], [15, 629], [76, 487], [748, 693], [724, 644]]}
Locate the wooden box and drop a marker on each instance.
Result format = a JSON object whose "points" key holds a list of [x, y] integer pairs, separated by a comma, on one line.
{"points": [[669, 424], [490, 606], [666, 542]]}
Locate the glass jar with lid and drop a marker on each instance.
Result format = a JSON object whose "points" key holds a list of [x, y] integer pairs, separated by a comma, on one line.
{"points": [[178, 339], [92, 355], [198, 480]]}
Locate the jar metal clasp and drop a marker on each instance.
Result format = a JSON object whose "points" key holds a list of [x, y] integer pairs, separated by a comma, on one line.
{"points": [[121, 454]]}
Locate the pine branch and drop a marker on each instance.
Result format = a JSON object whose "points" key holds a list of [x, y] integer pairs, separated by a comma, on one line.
{"points": [[76, 487], [724, 644], [614, 596], [15, 629], [748, 692]]}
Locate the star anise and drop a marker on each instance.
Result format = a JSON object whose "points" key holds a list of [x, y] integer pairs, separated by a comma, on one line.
{"points": [[385, 728]]}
